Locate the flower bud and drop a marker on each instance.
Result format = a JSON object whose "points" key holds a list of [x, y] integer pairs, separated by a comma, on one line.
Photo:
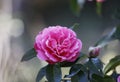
{"points": [[94, 51]]}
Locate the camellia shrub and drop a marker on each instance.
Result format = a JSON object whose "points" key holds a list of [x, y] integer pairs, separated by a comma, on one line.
{"points": [[60, 47]]}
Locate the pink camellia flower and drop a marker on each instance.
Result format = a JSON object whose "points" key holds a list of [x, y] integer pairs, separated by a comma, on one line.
{"points": [[118, 79], [57, 44]]}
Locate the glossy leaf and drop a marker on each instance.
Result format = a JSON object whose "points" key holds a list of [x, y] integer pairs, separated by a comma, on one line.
{"points": [[97, 78], [108, 79], [79, 77], [41, 74], [53, 73], [29, 55], [97, 62], [92, 67], [75, 69], [67, 64], [81, 57], [112, 64]]}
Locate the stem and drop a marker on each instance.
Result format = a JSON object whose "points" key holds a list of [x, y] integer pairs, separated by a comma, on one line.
{"points": [[114, 70], [88, 75], [89, 71]]}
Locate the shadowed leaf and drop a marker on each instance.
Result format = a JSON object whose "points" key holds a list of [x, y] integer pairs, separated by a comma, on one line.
{"points": [[75, 69], [81, 57], [53, 73], [97, 78], [112, 64], [97, 62], [94, 66], [79, 77], [29, 55], [41, 74]]}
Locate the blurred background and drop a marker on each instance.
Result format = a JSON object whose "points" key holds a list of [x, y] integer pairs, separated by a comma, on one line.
{"points": [[21, 20]]}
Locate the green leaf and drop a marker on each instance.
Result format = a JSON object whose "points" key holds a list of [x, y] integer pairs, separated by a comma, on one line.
{"points": [[81, 57], [75, 7], [98, 78], [112, 64], [79, 77], [67, 64], [41, 74], [108, 79], [76, 68], [29, 55], [97, 62], [53, 73], [92, 67]]}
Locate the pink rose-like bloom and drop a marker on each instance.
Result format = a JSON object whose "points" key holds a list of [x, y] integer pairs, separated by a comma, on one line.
{"points": [[57, 44], [118, 79]]}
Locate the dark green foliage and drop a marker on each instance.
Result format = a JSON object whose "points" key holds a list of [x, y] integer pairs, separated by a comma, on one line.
{"points": [[41, 74], [53, 73], [112, 64], [97, 78], [94, 66], [75, 69], [29, 55], [79, 77], [82, 56]]}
